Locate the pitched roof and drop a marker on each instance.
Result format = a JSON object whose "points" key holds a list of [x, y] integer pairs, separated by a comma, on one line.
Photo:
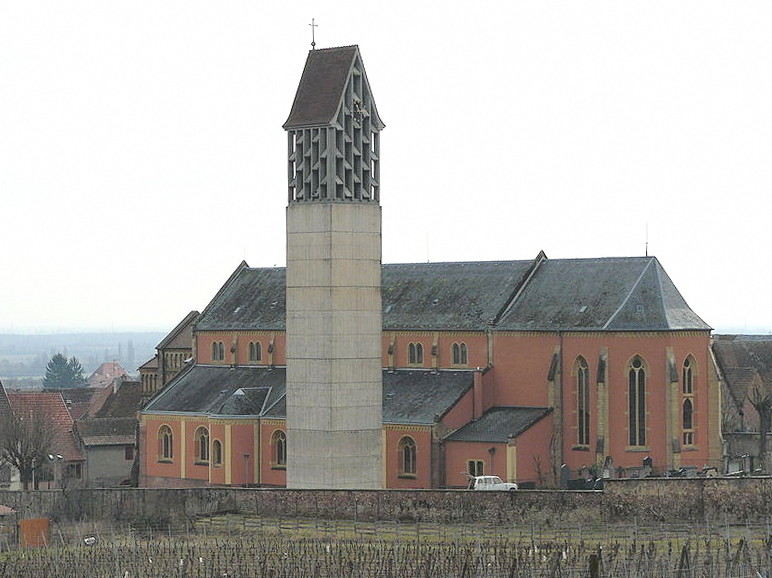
{"points": [[150, 365], [52, 406], [107, 431], [498, 424], [105, 373], [744, 359], [220, 390], [611, 294], [5, 406], [181, 337], [463, 295], [602, 294], [409, 396], [124, 401], [322, 87], [249, 299], [421, 397]]}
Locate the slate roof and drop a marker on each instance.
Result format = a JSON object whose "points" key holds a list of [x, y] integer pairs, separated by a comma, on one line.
{"points": [[437, 296], [123, 401], [409, 396], [53, 407], [107, 431], [220, 390], [498, 424], [743, 359], [181, 337], [421, 397], [250, 299], [322, 86], [150, 364], [5, 406], [602, 294]]}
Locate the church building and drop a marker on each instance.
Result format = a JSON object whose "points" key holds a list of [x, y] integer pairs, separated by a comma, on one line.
{"points": [[339, 371]]}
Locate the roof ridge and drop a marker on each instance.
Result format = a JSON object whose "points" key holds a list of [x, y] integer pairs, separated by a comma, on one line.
{"points": [[629, 294]]}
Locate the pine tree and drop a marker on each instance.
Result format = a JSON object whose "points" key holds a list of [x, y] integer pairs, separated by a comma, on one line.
{"points": [[64, 373]]}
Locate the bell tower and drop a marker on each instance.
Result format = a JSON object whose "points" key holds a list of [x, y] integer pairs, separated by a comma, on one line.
{"points": [[334, 382]]}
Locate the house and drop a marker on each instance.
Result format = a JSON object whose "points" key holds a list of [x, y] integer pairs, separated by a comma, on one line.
{"points": [[512, 368], [744, 366], [106, 373], [59, 463], [107, 435]]}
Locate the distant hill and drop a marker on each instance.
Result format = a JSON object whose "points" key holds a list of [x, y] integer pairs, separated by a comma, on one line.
{"points": [[25, 356]]}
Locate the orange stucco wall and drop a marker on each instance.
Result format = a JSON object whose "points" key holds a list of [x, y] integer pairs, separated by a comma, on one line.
{"points": [[422, 438], [521, 366]]}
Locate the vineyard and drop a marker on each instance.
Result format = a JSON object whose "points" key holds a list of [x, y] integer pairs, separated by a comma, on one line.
{"points": [[238, 546]]}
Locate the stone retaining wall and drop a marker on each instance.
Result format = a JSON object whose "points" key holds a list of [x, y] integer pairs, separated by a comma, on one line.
{"points": [[653, 500]]}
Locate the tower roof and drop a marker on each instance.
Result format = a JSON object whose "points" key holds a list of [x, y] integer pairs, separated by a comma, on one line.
{"points": [[322, 87]]}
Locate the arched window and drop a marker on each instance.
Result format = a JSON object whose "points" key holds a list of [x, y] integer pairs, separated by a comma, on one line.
{"points": [[415, 354], [165, 443], [582, 402], [407, 456], [216, 453], [688, 390], [255, 351], [201, 438], [636, 393], [687, 378], [218, 351], [460, 356], [279, 449]]}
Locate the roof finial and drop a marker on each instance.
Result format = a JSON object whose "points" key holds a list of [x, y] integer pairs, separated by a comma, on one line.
{"points": [[313, 39]]}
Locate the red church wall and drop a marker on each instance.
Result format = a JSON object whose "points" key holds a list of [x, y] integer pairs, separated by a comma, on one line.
{"points": [[152, 464], [395, 477], [521, 362], [533, 457], [477, 349], [461, 413], [458, 454], [520, 377]]}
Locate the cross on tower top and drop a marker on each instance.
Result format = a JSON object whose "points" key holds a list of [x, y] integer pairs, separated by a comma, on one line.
{"points": [[313, 39]]}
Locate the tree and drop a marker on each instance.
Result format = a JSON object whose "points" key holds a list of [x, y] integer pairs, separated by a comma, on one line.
{"points": [[64, 373], [26, 443]]}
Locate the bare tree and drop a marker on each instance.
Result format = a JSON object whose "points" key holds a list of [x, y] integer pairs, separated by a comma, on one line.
{"points": [[761, 400], [26, 443]]}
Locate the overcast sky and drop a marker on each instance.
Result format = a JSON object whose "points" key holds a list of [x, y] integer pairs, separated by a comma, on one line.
{"points": [[142, 155]]}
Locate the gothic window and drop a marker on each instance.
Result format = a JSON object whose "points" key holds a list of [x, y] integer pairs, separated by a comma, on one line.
{"points": [[255, 351], [279, 448], [415, 354], [165, 443], [460, 355], [582, 402], [407, 456], [688, 384], [218, 351], [687, 404], [636, 393], [201, 438], [217, 453]]}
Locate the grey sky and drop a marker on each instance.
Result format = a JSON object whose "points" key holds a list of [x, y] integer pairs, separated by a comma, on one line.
{"points": [[142, 156]]}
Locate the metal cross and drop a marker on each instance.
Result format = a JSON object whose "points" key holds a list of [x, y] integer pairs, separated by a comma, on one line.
{"points": [[313, 40]]}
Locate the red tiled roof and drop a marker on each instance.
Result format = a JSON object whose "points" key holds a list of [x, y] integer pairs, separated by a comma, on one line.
{"points": [[53, 407]]}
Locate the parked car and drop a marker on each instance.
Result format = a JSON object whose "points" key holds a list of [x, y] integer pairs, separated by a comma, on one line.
{"points": [[490, 483]]}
